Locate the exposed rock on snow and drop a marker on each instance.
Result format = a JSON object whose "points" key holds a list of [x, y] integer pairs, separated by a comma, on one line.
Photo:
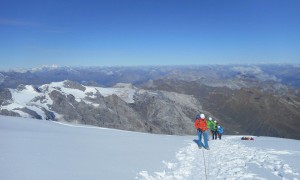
{"points": [[122, 106]]}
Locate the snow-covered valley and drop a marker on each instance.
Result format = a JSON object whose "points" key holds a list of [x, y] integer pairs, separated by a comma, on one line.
{"points": [[33, 149]]}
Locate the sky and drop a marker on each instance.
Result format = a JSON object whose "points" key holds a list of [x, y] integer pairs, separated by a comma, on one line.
{"points": [[148, 32]]}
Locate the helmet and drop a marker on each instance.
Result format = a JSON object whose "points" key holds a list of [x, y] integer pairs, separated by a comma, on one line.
{"points": [[219, 126], [215, 121], [197, 116], [202, 116], [210, 118]]}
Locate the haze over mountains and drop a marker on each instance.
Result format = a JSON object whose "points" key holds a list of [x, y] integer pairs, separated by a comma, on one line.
{"points": [[246, 99]]}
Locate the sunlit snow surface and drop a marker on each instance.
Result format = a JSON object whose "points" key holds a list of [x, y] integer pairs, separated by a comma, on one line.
{"points": [[38, 149]]}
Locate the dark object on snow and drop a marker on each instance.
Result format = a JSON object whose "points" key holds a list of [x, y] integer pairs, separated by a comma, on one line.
{"points": [[247, 138]]}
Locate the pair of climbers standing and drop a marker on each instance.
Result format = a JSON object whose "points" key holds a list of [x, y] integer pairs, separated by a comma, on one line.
{"points": [[216, 130]]}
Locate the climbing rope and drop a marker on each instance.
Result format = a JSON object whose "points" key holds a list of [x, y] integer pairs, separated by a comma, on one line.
{"points": [[204, 165], [208, 160]]}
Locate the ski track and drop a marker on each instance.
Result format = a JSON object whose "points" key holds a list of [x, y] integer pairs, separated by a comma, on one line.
{"points": [[227, 159]]}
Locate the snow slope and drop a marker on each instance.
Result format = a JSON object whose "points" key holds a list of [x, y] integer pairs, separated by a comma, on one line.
{"points": [[33, 149]]}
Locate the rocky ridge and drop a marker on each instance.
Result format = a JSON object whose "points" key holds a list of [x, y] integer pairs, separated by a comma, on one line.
{"points": [[122, 106]]}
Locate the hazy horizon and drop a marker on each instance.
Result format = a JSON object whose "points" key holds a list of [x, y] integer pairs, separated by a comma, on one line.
{"points": [[134, 66]]}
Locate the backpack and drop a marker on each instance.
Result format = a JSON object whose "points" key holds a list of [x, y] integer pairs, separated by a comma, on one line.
{"points": [[220, 130]]}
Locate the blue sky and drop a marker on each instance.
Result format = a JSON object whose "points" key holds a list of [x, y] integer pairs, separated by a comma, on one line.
{"points": [[148, 32]]}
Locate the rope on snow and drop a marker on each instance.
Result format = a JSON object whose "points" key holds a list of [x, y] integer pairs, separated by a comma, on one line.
{"points": [[208, 168], [204, 164]]}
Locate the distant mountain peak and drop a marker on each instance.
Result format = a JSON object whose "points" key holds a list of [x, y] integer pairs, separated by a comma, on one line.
{"points": [[124, 85]]}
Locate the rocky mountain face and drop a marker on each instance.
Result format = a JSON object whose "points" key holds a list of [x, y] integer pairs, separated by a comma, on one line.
{"points": [[122, 107], [245, 99], [245, 110]]}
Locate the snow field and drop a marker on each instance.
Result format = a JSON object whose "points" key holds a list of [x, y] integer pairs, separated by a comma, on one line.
{"points": [[38, 149], [228, 158]]}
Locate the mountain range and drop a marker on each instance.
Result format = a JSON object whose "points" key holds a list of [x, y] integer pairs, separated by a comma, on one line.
{"points": [[245, 99]]}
